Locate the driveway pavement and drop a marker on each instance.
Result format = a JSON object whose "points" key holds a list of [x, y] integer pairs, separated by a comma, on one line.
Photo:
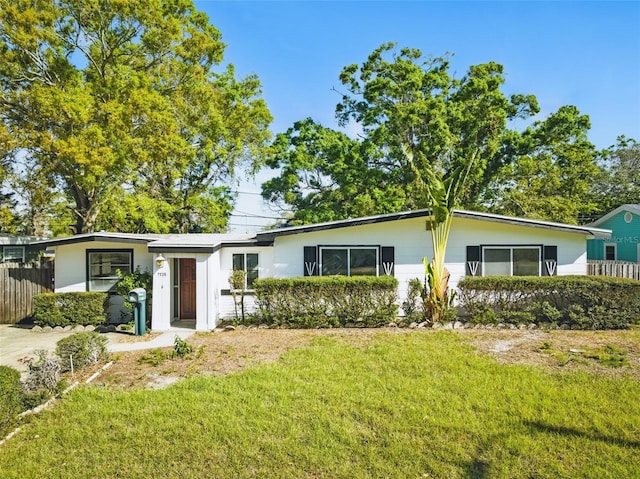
{"points": [[18, 341]]}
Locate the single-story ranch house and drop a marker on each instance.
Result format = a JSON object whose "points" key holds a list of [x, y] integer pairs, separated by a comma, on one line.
{"points": [[191, 271]]}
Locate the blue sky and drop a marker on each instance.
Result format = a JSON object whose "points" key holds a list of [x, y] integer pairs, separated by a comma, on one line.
{"points": [[585, 54]]}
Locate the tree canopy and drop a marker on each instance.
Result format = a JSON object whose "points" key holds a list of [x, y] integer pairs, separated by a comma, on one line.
{"points": [[554, 176], [620, 181], [416, 121], [401, 100], [118, 107]]}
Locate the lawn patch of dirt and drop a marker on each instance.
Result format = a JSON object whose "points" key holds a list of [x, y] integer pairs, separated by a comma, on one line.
{"points": [[220, 353], [602, 352]]}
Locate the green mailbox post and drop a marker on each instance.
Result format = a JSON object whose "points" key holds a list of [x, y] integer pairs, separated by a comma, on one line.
{"points": [[138, 298]]}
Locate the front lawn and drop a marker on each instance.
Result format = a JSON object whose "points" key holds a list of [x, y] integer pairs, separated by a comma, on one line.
{"points": [[415, 405]]}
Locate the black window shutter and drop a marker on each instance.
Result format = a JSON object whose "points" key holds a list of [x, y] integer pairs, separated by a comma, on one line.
{"points": [[549, 261], [310, 261], [473, 267], [388, 265]]}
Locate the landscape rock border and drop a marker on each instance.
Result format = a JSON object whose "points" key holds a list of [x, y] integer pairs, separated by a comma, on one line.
{"points": [[78, 328]]}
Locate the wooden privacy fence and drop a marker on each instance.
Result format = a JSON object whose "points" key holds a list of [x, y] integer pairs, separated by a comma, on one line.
{"points": [[619, 269], [19, 283]]}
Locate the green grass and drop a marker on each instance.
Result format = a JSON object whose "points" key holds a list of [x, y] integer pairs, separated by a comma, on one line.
{"points": [[404, 405]]}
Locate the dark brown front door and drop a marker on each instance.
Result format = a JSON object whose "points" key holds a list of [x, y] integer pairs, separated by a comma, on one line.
{"points": [[187, 289]]}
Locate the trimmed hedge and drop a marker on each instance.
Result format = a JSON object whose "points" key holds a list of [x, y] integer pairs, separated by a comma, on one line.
{"points": [[328, 301], [580, 302], [69, 309], [10, 399]]}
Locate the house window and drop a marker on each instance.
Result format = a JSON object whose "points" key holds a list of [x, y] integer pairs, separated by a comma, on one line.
{"points": [[610, 251], [511, 261], [13, 254], [247, 262], [346, 261], [102, 266]]}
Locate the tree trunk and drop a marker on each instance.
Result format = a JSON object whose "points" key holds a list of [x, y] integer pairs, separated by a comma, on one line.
{"points": [[86, 211]]}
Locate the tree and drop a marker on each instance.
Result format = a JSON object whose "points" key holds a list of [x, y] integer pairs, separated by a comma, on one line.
{"points": [[326, 176], [110, 98], [620, 182], [412, 102], [402, 100], [552, 177]]}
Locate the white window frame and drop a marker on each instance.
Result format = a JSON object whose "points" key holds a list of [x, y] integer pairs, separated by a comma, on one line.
{"points": [[615, 251], [321, 249], [12, 258], [244, 268], [112, 267], [511, 248]]}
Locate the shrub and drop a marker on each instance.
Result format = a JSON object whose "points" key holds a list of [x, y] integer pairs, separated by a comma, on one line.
{"points": [[69, 309], [83, 348], [43, 380], [587, 302], [10, 399], [236, 282], [365, 301], [181, 348], [414, 306], [130, 281]]}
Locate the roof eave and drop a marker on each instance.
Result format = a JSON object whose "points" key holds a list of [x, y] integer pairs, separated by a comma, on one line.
{"points": [[475, 215], [93, 237]]}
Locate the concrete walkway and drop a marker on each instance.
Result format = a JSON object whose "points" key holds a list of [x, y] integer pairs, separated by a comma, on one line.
{"points": [[163, 340], [17, 342]]}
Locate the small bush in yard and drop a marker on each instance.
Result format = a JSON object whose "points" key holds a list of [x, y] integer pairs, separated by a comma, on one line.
{"points": [[181, 348], [83, 349], [43, 380], [10, 399]]}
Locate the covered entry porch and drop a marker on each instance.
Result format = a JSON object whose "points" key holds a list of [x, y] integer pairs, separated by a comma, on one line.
{"points": [[183, 293]]}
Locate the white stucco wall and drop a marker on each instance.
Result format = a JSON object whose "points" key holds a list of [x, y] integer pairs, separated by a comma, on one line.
{"points": [[409, 238], [412, 242], [71, 269]]}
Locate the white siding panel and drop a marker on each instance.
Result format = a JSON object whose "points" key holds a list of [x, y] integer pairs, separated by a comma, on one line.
{"points": [[227, 310], [265, 270]]}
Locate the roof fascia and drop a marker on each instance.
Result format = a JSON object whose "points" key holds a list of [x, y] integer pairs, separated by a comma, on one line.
{"points": [[272, 234], [92, 238]]}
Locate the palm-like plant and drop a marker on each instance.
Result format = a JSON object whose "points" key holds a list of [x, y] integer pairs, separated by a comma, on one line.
{"points": [[443, 195]]}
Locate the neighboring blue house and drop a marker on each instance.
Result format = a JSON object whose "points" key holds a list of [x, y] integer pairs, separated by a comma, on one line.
{"points": [[624, 245]]}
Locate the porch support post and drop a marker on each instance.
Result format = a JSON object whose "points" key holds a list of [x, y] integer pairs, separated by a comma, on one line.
{"points": [[202, 296], [161, 309]]}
